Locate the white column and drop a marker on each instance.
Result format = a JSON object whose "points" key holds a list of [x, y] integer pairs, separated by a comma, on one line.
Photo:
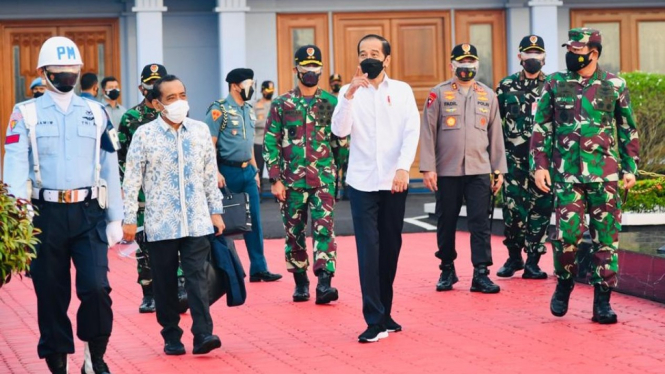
{"points": [[149, 34], [544, 23], [517, 27], [232, 38]]}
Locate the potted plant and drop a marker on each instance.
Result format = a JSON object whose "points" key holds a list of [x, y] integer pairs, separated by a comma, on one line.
{"points": [[17, 235]]}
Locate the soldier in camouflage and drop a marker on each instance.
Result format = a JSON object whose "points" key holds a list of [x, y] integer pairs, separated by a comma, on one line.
{"points": [[574, 139], [526, 209], [129, 123], [302, 156]]}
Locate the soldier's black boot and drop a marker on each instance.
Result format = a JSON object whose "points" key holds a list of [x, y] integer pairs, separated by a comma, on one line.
{"points": [[448, 277], [531, 268], [301, 292], [559, 303], [324, 293], [513, 264], [602, 311], [57, 363], [183, 304], [481, 281], [94, 357], [148, 302]]}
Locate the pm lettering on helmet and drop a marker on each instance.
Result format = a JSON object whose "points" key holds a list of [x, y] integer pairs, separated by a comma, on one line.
{"points": [[69, 51]]}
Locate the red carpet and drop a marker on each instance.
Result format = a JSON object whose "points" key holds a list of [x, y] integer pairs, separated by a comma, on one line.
{"points": [[453, 332]]}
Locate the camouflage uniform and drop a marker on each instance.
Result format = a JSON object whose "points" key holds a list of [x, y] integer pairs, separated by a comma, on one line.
{"points": [[574, 138], [301, 151], [526, 209]]}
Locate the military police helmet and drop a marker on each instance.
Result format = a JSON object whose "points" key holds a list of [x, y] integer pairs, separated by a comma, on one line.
{"points": [[59, 51]]}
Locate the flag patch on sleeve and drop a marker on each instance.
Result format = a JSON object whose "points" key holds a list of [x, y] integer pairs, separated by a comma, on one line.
{"points": [[431, 98]]}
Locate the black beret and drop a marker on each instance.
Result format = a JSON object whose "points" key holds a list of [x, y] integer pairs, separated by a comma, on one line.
{"points": [[238, 75]]}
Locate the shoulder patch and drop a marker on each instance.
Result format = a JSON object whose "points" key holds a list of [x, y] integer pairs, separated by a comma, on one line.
{"points": [[430, 99], [215, 114]]}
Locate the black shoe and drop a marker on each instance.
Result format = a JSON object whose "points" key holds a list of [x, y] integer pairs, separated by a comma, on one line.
{"points": [[531, 268], [561, 297], [183, 303], [174, 348], [391, 325], [301, 292], [147, 305], [205, 343], [324, 293], [481, 281], [57, 363], [373, 334], [602, 311], [94, 356], [265, 276], [448, 277], [513, 264]]}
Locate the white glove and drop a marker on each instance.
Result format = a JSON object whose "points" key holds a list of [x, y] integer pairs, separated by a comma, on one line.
{"points": [[114, 232]]}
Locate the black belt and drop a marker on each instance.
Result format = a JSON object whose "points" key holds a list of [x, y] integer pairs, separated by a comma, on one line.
{"points": [[237, 164]]}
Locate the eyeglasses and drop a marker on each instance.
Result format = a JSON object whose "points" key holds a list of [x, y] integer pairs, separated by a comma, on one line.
{"points": [[306, 69]]}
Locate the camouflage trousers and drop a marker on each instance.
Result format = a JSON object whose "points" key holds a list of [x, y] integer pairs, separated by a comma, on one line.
{"points": [[601, 201], [526, 214], [320, 202]]}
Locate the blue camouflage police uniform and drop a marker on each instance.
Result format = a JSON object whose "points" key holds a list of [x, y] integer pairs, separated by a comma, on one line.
{"points": [[71, 220]]}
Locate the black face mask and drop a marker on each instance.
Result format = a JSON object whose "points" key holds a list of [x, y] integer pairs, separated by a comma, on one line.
{"points": [[372, 67], [267, 96], [113, 94], [37, 94], [309, 79], [532, 65], [63, 82], [465, 74], [336, 87], [575, 62], [244, 95]]}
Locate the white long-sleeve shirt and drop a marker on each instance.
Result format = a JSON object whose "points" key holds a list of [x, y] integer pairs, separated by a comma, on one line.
{"points": [[384, 125]]}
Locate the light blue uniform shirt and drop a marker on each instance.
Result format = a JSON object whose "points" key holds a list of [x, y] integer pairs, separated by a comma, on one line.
{"points": [[178, 173], [236, 142], [66, 143]]}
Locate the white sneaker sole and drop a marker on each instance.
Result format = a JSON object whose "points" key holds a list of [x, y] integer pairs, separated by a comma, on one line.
{"points": [[381, 335]]}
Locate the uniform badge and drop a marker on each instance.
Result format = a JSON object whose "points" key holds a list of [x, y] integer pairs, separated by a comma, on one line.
{"points": [[430, 99], [215, 114], [533, 39], [483, 121], [451, 110], [11, 139], [483, 98], [451, 121], [154, 68], [310, 52], [454, 86], [12, 124], [466, 48], [234, 132], [484, 110]]}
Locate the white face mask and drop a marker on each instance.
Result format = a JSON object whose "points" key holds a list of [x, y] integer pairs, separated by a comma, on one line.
{"points": [[176, 111]]}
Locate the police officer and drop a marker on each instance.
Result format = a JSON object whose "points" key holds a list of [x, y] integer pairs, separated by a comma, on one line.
{"points": [[526, 209], [302, 164], [574, 139], [231, 122], [261, 109], [37, 87], [135, 117], [460, 146], [60, 152]]}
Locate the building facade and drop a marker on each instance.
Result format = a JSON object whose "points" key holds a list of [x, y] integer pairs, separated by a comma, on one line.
{"points": [[201, 40]]}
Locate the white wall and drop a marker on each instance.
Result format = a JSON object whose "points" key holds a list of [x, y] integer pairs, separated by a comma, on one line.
{"points": [[564, 26], [261, 49], [518, 22], [191, 53]]}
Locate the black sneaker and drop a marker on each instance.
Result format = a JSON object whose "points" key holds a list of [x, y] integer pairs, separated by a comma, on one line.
{"points": [[373, 334], [174, 348], [265, 276], [392, 326], [147, 304]]}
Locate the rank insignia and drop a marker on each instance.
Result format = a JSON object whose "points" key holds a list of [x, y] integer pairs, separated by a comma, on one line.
{"points": [[484, 110], [430, 99], [451, 110], [451, 121], [215, 114]]}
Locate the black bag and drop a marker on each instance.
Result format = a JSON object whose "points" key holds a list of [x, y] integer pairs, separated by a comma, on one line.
{"points": [[237, 219]]}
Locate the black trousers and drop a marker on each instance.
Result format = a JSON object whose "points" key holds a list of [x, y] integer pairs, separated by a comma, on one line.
{"points": [[71, 232], [475, 190], [258, 154], [193, 252], [378, 218]]}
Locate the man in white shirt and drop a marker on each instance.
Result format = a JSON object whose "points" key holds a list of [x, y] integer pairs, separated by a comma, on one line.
{"points": [[381, 115], [111, 91], [173, 160]]}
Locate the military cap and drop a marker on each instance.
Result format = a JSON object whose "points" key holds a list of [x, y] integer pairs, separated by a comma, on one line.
{"points": [[308, 54], [335, 78], [580, 37], [239, 75], [152, 71], [463, 51], [36, 82], [268, 86], [532, 42]]}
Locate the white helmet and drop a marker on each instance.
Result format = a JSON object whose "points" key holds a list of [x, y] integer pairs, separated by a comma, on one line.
{"points": [[59, 51]]}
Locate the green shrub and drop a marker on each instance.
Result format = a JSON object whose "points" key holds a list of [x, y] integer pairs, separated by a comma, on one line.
{"points": [[646, 196], [17, 235], [647, 94]]}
